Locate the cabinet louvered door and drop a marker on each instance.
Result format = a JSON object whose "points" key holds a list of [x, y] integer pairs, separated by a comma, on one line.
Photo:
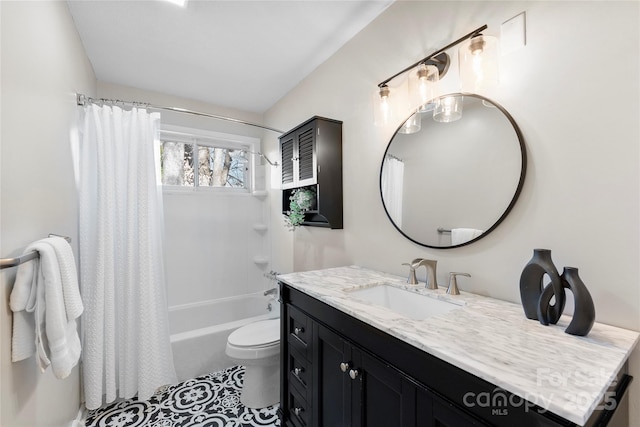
{"points": [[287, 161], [305, 157]]}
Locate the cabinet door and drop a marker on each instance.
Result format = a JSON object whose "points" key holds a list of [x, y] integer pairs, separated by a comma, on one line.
{"points": [[387, 397], [287, 160], [331, 362], [434, 412], [298, 157], [355, 389], [306, 166]]}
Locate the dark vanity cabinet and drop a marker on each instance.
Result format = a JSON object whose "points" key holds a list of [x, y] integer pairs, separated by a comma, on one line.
{"points": [[332, 382], [339, 371], [311, 157]]}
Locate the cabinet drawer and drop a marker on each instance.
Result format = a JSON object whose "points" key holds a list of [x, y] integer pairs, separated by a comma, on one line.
{"points": [[299, 373], [299, 331], [298, 410]]}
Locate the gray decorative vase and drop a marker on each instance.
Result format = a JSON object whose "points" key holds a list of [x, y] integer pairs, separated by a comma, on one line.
{"points": [[531, 287], [584, 314]]}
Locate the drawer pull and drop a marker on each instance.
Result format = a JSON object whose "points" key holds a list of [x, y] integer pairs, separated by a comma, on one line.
{"points": [[344, 366], [297, 411], [353, 374], [298, 371], [298, 331]]}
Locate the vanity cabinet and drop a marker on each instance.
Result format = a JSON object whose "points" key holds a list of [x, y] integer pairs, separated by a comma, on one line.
{"points": [[334, 383], [311, 156], [339, 371]]}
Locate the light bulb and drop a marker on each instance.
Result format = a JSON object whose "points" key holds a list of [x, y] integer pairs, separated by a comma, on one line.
{"points": [[422, 87], [382, 108], [478, 63], [476, 46]]}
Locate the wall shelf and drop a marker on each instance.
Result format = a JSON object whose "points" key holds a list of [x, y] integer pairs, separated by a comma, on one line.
{"points": [[260, 228], [260, 260]]}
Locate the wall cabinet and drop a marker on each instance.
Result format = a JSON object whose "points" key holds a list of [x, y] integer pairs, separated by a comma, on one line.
{"points": [[339, 371], [311, 156]]}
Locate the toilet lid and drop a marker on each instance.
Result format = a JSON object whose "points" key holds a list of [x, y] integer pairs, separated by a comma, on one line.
{"points": [[257, 334]]}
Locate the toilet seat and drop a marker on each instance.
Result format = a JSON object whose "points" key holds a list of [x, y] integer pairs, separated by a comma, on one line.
{"points": [[265, 333]]}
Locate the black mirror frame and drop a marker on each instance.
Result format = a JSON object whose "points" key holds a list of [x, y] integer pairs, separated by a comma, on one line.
{"points": [[523, 171]]}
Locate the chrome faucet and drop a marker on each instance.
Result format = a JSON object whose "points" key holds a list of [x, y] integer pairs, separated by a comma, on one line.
{"points": [[411, 279], [273, 291], [453, 283], [430, 265]]}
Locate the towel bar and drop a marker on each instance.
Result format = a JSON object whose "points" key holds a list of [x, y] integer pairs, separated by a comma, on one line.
{"points": [[13, 262]]}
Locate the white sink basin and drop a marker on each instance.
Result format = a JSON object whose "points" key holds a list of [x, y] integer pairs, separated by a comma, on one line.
{"points": [[407, 303]]}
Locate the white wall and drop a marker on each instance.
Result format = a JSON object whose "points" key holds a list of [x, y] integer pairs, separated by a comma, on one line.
{"points": [[43, 65], [210, 242], [573, 90]]}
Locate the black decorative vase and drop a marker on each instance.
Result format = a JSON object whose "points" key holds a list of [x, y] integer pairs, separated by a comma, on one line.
{"points": [[584, 314], [531, 288]]}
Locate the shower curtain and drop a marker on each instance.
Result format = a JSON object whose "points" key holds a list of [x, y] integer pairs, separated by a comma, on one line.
{"points": [[392, 183], [125, 327]]}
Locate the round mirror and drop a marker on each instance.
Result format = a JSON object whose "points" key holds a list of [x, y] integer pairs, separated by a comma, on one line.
{"points": [[455, 179]]}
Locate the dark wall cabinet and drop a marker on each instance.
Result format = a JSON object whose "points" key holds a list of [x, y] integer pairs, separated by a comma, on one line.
{"points": [[311, 156], [339, 372]]}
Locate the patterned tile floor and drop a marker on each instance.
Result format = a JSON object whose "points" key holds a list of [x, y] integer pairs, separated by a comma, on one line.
{"points": [[210, 400]]}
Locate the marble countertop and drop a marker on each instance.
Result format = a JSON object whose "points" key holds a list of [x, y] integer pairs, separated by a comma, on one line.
{"points": [[491, 339]]}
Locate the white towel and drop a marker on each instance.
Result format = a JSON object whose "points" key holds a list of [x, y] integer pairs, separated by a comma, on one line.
{"points": [[46, 303], [463, 235]]}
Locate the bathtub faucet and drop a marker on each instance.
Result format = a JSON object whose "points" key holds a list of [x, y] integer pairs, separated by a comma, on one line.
{"points": [[271, 275], [272, 291]]}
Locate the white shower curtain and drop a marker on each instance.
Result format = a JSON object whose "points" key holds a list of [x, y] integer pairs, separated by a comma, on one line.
{"points": [[392, 184], [125, 327]]}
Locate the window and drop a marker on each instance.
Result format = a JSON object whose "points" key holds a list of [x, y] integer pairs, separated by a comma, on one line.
{"points": [[198, 160]]}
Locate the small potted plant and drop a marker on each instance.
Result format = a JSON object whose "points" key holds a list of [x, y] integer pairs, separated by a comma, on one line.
{"points": [[300, 201]]}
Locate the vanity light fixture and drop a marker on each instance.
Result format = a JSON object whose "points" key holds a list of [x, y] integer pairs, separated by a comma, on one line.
{"points": [[478, 63], [423, 79]]}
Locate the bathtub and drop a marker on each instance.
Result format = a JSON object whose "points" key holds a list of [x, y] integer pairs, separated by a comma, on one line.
{"points": [[199, 331]]}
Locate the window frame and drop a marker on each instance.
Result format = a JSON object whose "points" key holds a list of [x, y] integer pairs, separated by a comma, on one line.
{"points": [[206, 138]]}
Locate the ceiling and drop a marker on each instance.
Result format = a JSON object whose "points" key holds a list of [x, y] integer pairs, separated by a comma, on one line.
{"points": [[238, 54]]}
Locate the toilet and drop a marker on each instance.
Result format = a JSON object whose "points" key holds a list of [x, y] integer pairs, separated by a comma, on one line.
{"points": [[256, 346]]}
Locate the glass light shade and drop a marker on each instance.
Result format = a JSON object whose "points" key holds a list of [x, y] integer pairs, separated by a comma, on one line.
{"points": [[448, 109], [412, 125], [422, 86], [391, 104], [382, 109], [478, 60]]}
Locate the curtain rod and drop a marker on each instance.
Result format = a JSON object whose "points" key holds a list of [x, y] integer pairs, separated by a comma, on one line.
{"points": [[83, 100]]}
